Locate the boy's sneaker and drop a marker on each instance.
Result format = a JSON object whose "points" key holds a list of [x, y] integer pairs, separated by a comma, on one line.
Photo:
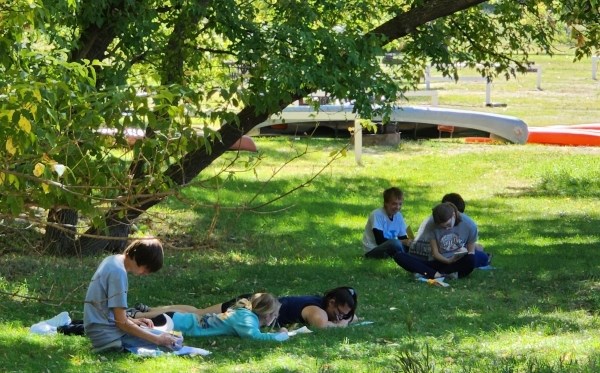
{"points": [[130, 312], [142, 307], [418, 276], [452, 276]]}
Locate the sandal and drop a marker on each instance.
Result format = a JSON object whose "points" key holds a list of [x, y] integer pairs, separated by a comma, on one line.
{"points": [[130, 312]]}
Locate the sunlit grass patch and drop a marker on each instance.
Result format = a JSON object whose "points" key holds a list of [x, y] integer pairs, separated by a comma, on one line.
{"points": [[572, 183]]}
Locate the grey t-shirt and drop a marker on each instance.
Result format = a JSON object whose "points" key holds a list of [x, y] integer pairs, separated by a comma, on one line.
{"points": [[448, 240], [107, 290]]}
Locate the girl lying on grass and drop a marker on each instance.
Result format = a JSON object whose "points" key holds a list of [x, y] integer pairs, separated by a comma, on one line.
{"points": [[336, 308], [244, 319]]}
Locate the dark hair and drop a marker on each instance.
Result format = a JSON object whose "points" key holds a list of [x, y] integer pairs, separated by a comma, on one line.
{"points": [[343, 295], [392, 192], [456, 199], [443, 212], [147, 252]]}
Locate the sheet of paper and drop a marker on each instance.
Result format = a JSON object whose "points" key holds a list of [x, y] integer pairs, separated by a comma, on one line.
{"points": [[302, 330], [188, 350], [361, 323]]}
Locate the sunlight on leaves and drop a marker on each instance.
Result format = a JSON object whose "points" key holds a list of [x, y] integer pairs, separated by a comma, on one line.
{"points": [[38, 170], [25, 124], [10, 148]]}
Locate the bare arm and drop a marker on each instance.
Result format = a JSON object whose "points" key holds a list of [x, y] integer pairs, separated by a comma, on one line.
{"points": [[347, 322], [317, 317], [471, 247], [155, 311], [435, 252]]}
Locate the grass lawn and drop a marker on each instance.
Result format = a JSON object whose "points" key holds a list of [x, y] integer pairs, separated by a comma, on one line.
{"points": [[537, 209]]}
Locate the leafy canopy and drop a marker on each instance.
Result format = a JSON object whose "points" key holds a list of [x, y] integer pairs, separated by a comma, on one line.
{"points": [[193, 76]]}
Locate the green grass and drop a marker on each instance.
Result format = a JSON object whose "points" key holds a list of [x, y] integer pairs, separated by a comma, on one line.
{"points": [[537, 209], [568, 93]]}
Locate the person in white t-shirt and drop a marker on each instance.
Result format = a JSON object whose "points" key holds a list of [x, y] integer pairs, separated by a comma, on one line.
{"points": [[385, 233]]}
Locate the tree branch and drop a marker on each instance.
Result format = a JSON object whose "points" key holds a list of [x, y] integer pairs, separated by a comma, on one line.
{"points": [[338, 155], [197, 160], [407, 22]]}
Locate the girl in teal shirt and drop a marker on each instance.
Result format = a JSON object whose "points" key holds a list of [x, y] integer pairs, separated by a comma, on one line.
{"points": [[244, 320]]}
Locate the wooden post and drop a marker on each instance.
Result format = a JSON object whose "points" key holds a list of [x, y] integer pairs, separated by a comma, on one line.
{"points": [[357, 142], [488, 94]]}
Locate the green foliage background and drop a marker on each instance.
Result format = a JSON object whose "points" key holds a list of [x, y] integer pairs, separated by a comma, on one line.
{"points": [[71, 69]]}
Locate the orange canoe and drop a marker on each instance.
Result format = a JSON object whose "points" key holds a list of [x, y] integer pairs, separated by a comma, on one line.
{"points": [[563, 136], [590, 126], [479, 140]]}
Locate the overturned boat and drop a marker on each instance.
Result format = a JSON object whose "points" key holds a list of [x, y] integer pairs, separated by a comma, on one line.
{"points": [[412, 121]]}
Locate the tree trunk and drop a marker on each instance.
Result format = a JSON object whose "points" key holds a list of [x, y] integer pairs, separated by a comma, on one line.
{"points": [[61, 240], [196, 161], [113, 239], [182, 173]]}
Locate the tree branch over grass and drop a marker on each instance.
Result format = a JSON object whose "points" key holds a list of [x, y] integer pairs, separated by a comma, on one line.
{"points": [[284, 52], [337, 155], [401, 25], [45, 300]]}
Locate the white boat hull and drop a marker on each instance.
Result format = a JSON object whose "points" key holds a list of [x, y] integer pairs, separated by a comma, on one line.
{"points": [[504, 127]]}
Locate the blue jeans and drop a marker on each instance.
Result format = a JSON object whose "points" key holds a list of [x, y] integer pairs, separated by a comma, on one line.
{"points": [[482, 259], [387, 249], [133, 344], [464, 266]]}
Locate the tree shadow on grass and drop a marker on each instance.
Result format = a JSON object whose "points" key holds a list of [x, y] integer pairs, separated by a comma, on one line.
{"points": [[545, 285], [322, 199], [483, 304]]}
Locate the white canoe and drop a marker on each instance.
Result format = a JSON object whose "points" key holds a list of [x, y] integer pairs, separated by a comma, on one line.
{"points": [[411, 118]]}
